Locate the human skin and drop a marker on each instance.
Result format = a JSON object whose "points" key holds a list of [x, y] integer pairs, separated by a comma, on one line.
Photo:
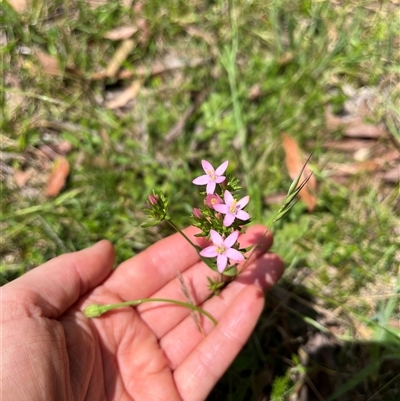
{"points": [[51, 351]]}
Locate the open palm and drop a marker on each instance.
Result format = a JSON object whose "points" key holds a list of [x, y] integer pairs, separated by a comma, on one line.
{"points": [[153, 352]]}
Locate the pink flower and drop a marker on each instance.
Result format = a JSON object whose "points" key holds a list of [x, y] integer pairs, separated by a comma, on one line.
{"points": [[232, 209], [222, 249], [212, 200], [212, 177]]}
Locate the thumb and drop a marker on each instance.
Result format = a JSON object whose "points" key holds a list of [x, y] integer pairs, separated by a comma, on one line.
{"points": [[50, 289]]}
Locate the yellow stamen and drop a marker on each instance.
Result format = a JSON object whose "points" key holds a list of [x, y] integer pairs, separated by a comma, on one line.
{"points": [[211, 174], [220, 249]]}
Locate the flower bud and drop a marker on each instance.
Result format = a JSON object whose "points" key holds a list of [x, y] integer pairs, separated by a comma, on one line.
{"points": [[94, 310], [153, 200], [197, 213]]}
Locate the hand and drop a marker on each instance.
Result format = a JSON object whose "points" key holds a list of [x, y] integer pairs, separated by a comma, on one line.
{"points": [[51, 351]]}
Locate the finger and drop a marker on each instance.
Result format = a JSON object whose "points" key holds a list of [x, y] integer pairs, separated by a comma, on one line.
{"points": [[50, 289], [181, 340], [144, 274], [200, 371], [196, 283]]}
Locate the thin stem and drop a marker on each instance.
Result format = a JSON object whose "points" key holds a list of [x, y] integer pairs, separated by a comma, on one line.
{"points": [[97, 310], [176, 228]]}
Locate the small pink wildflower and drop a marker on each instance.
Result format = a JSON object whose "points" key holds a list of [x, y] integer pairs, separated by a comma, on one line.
{"points": [[232, 209], [212, 200], [212, 177], [222, 249]]}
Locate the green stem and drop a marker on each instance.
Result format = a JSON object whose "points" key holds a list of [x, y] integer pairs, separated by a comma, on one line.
{"points": [[96, 310], [177, 229]]}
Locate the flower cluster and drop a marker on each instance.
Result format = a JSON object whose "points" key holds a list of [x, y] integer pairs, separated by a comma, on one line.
{"points": [[221, 219], [156, 209]]}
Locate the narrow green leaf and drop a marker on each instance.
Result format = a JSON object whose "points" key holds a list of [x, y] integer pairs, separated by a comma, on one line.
{"points": [[230, 271], [149, 224]]}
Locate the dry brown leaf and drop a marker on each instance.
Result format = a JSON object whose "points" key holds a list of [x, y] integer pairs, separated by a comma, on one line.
{"points": [[58, 176], [358, 129], [54, 150], [22, 177], [355, 168], [348, 145], [93, 4], [368, 165], [123, 98], [48, 151], [119, 57], [352, 126], [391, 156], [49, 63], [121, 33], [294, 163], [157, 68], [19, 6], [393, 175]]}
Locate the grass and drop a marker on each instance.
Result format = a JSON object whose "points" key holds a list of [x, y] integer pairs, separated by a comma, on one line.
{"points": [[342, 260]]}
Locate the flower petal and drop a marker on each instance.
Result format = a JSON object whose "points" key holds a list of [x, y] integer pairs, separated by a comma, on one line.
{"points": [[228, 198], [243, 202], [221, 169], [222, 261], [209, 252], [234, 254], [211, 187], [220, 179], [228, 219], [202, 180], [216, 238], [231, 239], [242, 215], [221, 208], [207, 165]]}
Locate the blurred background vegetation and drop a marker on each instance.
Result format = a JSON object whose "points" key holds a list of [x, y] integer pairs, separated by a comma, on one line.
{"points": [[103, 101]]}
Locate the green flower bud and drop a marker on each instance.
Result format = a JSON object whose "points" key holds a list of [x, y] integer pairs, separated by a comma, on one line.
{"points": [[94, 310]]}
